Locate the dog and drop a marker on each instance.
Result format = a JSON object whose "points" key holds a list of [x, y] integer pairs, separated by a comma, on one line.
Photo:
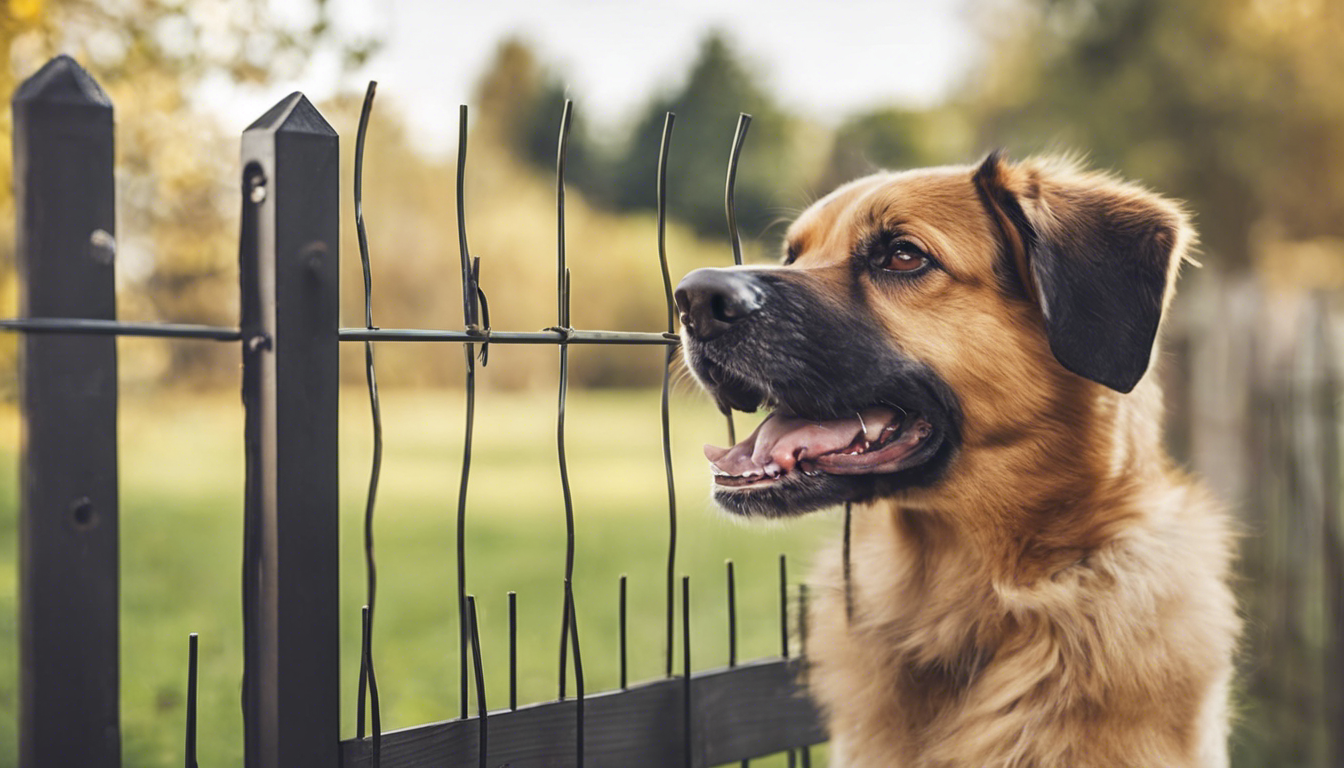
{"points": [[964, 355]]}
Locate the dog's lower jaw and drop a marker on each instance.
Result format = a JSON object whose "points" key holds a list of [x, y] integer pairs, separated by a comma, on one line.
{"points": [[1121, 659]]}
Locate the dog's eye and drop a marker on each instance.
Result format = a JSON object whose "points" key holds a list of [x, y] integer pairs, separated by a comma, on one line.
{"points": [[905, 257]]}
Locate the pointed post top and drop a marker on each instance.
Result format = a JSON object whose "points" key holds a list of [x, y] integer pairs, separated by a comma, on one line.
{"points": [[62, 81], [293, 114]]}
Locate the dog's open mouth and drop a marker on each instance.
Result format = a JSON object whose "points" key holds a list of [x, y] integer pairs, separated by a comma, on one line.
{"points": [[875, 440]]}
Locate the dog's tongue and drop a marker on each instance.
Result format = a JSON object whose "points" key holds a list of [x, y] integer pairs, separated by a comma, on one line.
{"points": [[781, 441]]}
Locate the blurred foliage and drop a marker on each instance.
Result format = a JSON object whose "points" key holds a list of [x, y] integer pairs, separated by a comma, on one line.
{"points": [[1234, 105], [176, 198], [779, 162]]}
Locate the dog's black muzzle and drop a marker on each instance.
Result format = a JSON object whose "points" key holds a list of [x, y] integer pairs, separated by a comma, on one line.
{"points": [[769, 336]]}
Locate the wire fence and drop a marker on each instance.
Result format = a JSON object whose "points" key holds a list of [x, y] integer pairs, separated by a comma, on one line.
{"points": [[288, 337]]}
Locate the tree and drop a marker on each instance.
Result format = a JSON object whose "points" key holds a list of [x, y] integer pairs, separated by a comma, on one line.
{"points": [[177, 199], [893, 138], [1235, 105], [773, 174]]}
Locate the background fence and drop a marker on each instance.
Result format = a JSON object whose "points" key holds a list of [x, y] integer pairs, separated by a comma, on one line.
{"points": [[1252, 384]]}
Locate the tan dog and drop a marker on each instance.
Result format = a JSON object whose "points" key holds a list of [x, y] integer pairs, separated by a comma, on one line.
{"points": [[962, 353]]}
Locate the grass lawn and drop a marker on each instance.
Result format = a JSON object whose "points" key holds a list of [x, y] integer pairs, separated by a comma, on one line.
{"points": [[181, 524]]}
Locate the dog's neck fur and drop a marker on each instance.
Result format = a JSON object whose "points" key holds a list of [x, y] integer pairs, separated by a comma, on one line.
{"points": [[975, 550]]}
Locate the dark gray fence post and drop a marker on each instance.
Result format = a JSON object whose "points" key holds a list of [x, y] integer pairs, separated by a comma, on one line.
{"points": [[288, 265], [68, 647]]}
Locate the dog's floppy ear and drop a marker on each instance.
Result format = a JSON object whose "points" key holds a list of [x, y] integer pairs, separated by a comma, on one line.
{"points": [[1098, 255]]}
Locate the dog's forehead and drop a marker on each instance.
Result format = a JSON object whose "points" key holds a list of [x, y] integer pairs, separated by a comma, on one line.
{"points": [[939, 204]]}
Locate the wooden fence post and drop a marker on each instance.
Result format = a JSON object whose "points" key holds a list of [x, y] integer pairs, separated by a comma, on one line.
{"points": [[64, 209], [289, 280]]}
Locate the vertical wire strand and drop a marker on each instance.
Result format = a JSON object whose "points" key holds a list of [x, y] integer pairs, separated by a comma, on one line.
{"points": [[743, 123], [805, 752], [784, 624], [482, 712], [375, 713], [620, 610], [732, 625], [845, 561], [686, 667], [513, 650], [562, 312], [469, 316], [573, 624], [664, 147], [802, 622], [730, 207], [367, 679], [732, 615], [192, 669], [783, 606]]}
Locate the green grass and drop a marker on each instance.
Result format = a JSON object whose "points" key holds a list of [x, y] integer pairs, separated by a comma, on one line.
{"points": [[181, 534]]}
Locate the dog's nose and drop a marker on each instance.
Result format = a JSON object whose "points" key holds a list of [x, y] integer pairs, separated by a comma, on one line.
{"points": [[711, 300]]}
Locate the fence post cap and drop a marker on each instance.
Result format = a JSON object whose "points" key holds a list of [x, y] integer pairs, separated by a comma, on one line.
{"points": [[62, 81], [293, 114]]}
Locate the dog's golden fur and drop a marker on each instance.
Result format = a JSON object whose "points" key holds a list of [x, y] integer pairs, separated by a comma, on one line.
{"points": [[1059, 597]]}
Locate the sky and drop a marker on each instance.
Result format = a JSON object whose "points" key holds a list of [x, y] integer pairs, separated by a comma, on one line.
{"points": [[823, 59]]}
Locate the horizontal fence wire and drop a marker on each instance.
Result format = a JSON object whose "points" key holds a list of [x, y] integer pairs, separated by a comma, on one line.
{"points": [[87, 327], [548, 336], [75, 326]]}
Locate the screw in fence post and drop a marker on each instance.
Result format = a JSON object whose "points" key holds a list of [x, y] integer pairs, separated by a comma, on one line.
{"points": [[562, 289], [470, 296], [573, 625], [686, 667], [730, 207], [482, 711], [192, 663], [68, 635], [668, 122], [845, 561], [367, 679], [784, 606], [513, 650], [290, 292], [622, 626]]}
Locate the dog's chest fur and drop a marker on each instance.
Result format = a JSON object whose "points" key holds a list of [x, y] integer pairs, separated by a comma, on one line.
{"points": [[1121, 657]]}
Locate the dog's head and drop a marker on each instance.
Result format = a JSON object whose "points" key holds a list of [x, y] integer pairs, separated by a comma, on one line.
{"points": [[926, 325]]}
